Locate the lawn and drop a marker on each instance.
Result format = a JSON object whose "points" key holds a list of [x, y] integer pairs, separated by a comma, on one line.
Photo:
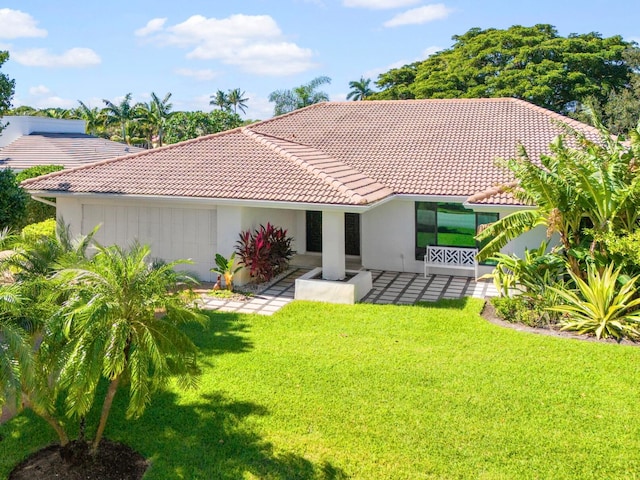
{"points": [[383, 392]]}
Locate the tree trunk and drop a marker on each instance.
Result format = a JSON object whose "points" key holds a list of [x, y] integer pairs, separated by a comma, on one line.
{"points": [[55, 424], [106, 408]]}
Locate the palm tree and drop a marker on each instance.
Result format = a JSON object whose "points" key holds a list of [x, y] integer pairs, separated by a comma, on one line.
{"points": [[15, 347], [122, 113], [221, 99], [360, 89], [301, 96], [236, 98], [162, 110], [122, 320], [94, 118]]}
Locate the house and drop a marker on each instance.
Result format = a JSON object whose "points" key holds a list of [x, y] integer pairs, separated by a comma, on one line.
{"points": [[27, 141], [373, 182]]}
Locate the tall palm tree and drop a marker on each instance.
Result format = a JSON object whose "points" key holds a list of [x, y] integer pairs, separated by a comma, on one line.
{"points": [[162, 110], [122, 321], [301, 96], [237, 99], [360, 89], [94, 118], [221, 99], [122, 113]]}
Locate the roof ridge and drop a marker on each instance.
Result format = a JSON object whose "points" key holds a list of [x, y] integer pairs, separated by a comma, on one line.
{"points": [[334, 181], [131, 155], [558, 117]]}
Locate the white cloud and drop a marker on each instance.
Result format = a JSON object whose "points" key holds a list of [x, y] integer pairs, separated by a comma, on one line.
{"points": [[199, 75], [39, 90], [420, 15], [152, 26], [254, 43], [17, 24], [41, 57], [54, 102], [374, 72], [427, 52], [379, 4]]}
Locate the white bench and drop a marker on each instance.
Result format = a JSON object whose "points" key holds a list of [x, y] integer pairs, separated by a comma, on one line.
{"points": [[457, 258]]}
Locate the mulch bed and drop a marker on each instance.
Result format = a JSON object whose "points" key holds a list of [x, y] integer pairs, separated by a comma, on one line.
{"points": [[114, 461], [489, 314]]}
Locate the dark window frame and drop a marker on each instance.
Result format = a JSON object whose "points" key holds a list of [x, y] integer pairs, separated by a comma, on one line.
{"points": [[436, 207]]}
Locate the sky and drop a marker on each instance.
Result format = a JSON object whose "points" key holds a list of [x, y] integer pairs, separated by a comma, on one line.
{"points": [[64, 51]]}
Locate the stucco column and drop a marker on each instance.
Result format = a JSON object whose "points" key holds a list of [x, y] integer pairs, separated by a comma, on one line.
{"points": [[333, 259]]}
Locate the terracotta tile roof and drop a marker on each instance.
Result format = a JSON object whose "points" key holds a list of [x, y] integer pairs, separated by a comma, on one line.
{"points": [[66, 149], [337, 152]]}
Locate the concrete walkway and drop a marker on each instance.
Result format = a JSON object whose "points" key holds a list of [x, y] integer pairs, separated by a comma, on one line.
{"points": [[388, 288]]}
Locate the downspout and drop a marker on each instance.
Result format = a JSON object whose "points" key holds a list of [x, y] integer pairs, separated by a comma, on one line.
{"points": [[44, 200]]}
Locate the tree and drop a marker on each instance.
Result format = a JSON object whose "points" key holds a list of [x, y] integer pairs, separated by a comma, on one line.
{"points": [[221, 99], [237, 99], [580, 193], [13, 200], [122, 319], [152, 117], [532, 63], [15, 347], [301, 96], [7, 87], [122, 113], [94, 117], [186, 125], [360, 89]]}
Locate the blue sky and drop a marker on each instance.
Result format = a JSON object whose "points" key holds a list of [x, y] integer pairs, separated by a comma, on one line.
{"points": [[65, 51]]}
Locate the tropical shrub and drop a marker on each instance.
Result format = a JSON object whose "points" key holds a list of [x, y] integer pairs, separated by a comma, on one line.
{"points": [[33, 231], [225, 267], [265, 251], [37, 211], [604, 305], [13, 200]]}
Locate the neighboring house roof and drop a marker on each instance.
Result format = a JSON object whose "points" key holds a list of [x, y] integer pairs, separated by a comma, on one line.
{"points": [[350, 153], [67, 149]]}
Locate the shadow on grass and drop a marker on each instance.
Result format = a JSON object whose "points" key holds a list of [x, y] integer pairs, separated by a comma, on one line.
{"points": [[223, 333], [210, 438]]}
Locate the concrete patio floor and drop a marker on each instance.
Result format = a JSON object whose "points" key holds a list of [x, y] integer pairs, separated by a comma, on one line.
{"points": [[388, 288]]}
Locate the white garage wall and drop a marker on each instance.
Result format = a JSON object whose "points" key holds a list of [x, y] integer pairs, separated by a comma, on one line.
{"points": [[172, 233]]}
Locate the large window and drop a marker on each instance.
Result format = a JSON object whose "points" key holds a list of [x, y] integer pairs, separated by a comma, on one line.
{"points": [[447, 225]]}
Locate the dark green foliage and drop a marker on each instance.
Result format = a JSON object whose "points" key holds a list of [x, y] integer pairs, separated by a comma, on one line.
{"points": [[532, 63], [35, 211], [7, 87], [13, 200], [182, 126]]}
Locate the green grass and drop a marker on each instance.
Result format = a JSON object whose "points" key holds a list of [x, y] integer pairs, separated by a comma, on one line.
{"points": [[383, 392]]}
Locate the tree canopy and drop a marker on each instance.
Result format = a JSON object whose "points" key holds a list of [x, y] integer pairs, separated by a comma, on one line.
{"points": [[532, 63], [7, 87], [307, 94]]}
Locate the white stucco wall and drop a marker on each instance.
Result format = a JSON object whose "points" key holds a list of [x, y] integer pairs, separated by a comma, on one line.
{"points": [[388, 237], [18, 126], [173, 232]]}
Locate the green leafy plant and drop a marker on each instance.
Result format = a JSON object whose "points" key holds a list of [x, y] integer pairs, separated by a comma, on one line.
{"points": [[602, 305], [225, 267]]}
